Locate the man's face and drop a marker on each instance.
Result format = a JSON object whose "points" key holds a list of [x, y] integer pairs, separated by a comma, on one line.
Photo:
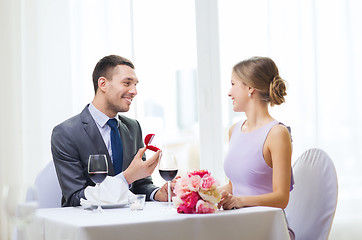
{"points": [[120, 89]]}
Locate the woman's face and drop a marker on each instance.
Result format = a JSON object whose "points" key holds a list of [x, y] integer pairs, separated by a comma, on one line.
{"points": [[238, 93]]}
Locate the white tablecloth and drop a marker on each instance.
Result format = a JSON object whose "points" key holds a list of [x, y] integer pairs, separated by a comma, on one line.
{"points": [[153, 224]]}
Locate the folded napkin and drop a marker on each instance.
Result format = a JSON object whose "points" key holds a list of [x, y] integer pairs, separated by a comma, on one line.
{"points": [[112, 191]]}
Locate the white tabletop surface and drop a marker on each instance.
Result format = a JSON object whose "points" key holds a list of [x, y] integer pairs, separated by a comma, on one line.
{"points": [[153, 223]]}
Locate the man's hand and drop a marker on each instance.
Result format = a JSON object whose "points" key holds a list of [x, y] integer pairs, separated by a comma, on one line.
{"points": [[161, 194], [140, 169]]}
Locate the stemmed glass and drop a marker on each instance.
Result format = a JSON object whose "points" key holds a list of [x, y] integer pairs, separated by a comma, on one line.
{"points": [[168, 170], [98, 171], [20, 202]]}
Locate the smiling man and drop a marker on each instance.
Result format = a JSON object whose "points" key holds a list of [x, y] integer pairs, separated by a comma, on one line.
{"points": [[100, 129]]}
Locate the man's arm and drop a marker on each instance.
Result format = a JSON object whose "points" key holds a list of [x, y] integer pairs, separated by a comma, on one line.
{"points": [[69, 168]]}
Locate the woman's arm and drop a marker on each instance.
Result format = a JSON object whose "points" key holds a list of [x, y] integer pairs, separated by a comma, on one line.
{"points": [[227, 188], [231, 130]]}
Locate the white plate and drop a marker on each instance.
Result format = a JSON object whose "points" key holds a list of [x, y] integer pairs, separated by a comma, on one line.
{"points": [[118, 205], [106, 206]]}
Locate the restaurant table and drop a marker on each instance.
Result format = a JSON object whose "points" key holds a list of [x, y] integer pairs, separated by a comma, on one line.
{"points": [[152, 223]]}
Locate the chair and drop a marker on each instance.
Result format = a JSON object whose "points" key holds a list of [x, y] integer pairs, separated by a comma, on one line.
{"points": [[313, 200], [48, 189], [47, 192]]}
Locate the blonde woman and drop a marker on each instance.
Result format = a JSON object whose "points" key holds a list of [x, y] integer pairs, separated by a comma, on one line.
{"points": [[258, 163]]}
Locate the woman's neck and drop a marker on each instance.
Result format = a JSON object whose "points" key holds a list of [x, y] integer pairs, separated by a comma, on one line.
{"points": [[256, 118]]}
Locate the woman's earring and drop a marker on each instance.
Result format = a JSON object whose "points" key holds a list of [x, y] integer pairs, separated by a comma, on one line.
{"points": [[249, 94]]}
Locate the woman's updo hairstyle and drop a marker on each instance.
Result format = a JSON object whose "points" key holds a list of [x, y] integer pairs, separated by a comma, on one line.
{"points": [[262, 74]]}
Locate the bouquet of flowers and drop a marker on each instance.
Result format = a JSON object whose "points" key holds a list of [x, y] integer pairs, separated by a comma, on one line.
{"points": [[196, 193]]}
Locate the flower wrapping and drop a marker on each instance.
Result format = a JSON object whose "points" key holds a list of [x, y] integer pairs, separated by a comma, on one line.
{"points": [[196, 193]]}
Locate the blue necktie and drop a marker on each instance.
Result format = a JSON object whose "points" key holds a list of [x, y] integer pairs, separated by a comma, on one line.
{"points": [[116, 144]]}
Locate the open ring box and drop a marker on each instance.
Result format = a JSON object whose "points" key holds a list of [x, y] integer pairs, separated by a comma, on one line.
{"points": [[148, 140]]}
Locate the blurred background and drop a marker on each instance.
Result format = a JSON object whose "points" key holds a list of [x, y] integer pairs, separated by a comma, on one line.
{"points": [[184, 51]]}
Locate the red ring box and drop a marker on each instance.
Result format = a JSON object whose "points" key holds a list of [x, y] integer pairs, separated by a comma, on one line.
{"points": [[148, 140]]}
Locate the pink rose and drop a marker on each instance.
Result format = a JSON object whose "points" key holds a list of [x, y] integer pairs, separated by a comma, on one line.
{"points": [[207, 182], [205, 207], [200, 173], [184, 209], [189, 203], [212, 196], [194, 183], [181, 187]]}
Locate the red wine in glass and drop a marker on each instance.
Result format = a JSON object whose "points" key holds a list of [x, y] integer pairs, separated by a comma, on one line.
{"points": [[167, 166], [169, 174], [98, 171], [98, 177]]}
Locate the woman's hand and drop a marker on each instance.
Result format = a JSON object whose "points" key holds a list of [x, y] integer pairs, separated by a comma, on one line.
{"points": [[229, 201]]}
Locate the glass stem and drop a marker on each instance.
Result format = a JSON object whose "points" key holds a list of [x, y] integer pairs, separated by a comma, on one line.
{"points": [[169, 193], [99, 197]]}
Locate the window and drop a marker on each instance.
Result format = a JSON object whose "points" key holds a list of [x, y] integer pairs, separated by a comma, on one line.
{"points": [[166, 61]]}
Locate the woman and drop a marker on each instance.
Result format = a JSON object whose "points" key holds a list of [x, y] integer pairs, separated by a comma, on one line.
{"points": [[258, 163]]}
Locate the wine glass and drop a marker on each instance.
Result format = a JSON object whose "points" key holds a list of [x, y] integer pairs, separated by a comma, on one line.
{"points": [[98, 171], [168, 170], [20, 202]]}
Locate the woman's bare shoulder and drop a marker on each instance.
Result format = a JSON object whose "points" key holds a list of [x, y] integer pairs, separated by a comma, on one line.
{"points": [[231, 129], [279, 133]]}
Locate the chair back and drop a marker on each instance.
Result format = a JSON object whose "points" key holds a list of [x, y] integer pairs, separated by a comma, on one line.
{"points": [[313, 201], [48, 189]]}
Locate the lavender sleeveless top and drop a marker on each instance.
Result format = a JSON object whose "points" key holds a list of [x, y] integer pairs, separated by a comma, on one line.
{"points": [[245, 165]]}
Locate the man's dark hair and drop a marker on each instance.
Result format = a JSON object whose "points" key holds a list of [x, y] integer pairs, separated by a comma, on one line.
{"points": [[105, 66]]}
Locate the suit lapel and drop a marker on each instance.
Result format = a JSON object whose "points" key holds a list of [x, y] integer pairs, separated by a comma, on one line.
{"points": [[95, 136]]}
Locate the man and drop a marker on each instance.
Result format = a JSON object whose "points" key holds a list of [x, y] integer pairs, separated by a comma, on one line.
{"points": [[90, 132]]}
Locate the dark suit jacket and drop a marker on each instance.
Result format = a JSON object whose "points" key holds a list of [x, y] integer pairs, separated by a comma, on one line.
{"points": [[78, 137]]}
